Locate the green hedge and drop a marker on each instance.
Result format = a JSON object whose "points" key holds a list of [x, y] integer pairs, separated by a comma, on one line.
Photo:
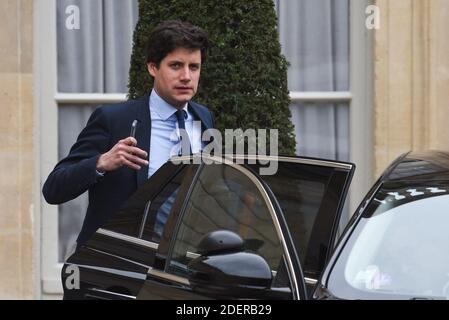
{"points": [[244, 81]]}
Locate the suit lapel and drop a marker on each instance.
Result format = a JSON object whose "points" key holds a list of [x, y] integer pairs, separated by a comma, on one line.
{"points": [[143, 134], [198, 114]]}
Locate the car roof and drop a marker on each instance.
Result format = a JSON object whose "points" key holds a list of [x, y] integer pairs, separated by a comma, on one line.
{"points": [[418, 166]]}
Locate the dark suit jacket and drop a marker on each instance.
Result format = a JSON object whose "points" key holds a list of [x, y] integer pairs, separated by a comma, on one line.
{"points": [[76, 173]]}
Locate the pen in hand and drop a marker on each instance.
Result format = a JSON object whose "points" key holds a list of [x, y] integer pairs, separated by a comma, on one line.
{"points": [[133, 129], [123, 153]]}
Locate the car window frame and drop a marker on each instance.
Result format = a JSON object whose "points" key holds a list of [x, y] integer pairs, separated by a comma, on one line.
{"points": [[186, 180], [338, 169], [293, 266], [134, 239]]}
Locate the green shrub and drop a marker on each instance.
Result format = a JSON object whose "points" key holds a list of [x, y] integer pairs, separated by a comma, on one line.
{"points": [[244, 81]]}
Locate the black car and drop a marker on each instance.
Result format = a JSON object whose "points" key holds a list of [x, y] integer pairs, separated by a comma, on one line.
{"points": [[396, 244], [215, 228]]}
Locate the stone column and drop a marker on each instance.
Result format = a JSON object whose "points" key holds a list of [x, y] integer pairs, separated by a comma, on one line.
{"points": [[16, 149], [411, 78]]}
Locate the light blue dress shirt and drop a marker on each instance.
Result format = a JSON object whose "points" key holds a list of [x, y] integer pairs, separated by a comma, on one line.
{"points": [[165, 137]]}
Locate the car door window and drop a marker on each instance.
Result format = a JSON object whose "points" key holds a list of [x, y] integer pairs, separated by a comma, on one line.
{"points": [[310, 196], [226, 198], [137, 218], [162, 205]]}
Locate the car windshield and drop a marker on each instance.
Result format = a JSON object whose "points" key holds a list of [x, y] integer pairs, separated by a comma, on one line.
{"points": [[399, 248]]}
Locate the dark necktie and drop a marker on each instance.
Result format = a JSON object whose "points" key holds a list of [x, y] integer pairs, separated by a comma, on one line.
{"points": [[181, 115]]}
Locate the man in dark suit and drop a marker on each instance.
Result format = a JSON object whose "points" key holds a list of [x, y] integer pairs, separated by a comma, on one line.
{"points": [[106, 160]]}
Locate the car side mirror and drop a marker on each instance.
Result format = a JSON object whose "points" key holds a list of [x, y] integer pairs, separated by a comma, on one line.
{"points": [[224, 269]]}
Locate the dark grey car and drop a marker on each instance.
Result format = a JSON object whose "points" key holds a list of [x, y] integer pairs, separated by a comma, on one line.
{"points": [[396, 245]]}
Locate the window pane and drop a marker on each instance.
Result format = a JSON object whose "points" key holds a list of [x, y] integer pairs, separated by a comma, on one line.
{"points": [[299, 189], [72, 120], [322, 130], [398, 248], [165, 203], [95, 57], [308, 196], [155, 196], [315, 40], [224, 198]]}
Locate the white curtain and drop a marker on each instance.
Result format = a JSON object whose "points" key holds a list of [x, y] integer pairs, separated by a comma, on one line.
{"points": [[92, 59], [322, 130], [95, 57], [314, 36]]}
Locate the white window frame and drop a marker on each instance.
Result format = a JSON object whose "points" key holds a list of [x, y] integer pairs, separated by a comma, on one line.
{"points": [[361, 122], [46, 100], [359, 99]]}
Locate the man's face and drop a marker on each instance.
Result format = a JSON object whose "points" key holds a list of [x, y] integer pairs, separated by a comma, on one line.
{"points": [[176, 79]]}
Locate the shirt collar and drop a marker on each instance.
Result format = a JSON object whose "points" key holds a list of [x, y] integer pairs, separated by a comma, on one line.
{"points": [[163, 109]]}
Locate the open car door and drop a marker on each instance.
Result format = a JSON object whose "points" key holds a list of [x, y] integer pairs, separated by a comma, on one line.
{"points": [[241, 234], [219, 229], [114, 262], [310, 193]]}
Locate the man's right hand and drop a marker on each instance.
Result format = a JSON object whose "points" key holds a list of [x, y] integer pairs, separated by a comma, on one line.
{"points": [[124, 153]]}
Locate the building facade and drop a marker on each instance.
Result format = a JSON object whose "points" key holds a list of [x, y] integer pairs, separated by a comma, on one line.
{"points": [[378, 79]]}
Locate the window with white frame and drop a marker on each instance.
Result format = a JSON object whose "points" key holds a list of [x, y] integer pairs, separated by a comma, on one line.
{"points": [[82, 68], [93, 59], [314, 37], [330, 75], [82, 62]]}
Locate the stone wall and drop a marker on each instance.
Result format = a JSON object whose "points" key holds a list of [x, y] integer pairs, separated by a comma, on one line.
{"points": [[16, 149], [411, 78]]}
